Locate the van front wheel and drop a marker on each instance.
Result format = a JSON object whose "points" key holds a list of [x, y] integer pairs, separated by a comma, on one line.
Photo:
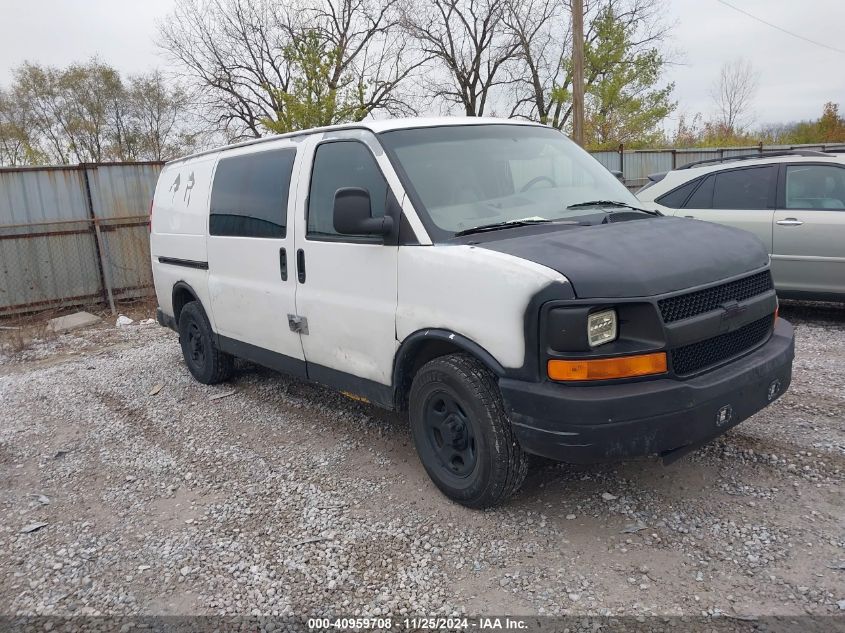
{"points": [[462, 434], [204, 359]]}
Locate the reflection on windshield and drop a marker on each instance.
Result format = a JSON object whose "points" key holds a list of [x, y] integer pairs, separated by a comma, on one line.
{"points": [[476, 175]]}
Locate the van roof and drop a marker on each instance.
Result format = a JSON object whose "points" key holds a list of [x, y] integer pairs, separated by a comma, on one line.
{"points": [[373, 125]]}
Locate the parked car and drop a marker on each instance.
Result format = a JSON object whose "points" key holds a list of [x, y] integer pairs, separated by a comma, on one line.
{"points": [[793, 201], [488, 277]]}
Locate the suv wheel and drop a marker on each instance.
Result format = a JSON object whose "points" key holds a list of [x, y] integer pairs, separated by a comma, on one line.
{"points": [[462, 434], [204, 359]]}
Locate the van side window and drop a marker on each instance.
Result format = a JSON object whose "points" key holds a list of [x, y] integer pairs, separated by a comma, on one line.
{"points": [[337, 165], [249, 196]]}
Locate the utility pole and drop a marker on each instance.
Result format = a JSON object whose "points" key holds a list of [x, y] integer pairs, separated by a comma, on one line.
{"points": [[578, 71]]}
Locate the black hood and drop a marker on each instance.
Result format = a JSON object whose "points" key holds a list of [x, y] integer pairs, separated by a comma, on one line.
{"points": [[633, 259]]}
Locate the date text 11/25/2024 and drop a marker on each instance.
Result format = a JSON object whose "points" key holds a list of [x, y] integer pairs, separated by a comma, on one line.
{"points": [[416, 623]]}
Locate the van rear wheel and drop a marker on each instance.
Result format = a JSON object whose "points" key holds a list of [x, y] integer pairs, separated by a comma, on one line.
{"points": [[204, 359], [462, 434]]}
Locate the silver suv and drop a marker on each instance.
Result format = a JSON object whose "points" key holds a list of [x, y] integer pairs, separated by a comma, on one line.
{"points": [[793, 201]]}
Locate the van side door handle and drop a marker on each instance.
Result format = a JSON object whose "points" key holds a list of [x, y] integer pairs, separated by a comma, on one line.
{"points": [[283, 263], [790, 222], [300, 266]]}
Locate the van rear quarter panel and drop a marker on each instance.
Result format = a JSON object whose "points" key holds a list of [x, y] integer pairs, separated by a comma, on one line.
{"points": [[180, 228], [475, 292]]}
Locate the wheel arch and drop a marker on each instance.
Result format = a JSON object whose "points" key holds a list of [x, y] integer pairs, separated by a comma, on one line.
{"points": [[424, 345], [182, 294]]}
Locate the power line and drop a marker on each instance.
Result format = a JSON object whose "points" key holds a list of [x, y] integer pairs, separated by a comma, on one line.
{"points": [[781, 29]]}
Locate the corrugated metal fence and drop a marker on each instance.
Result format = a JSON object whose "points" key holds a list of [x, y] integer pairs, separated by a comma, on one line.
{"points": [[74, 234], [636, 165], [78, 234]]}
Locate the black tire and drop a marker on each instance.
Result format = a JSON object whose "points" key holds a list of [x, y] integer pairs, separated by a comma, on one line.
{"points": [[462, 434], [204, 359]]}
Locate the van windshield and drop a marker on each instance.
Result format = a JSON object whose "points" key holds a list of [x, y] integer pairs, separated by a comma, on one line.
{"points": [[466, 176]]}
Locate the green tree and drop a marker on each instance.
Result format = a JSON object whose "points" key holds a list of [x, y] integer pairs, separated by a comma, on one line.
{"points": [[317, 95], [624, 101], [831, 126]]}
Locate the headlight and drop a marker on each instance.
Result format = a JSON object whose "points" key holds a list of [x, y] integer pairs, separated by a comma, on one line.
{"points": [[601, 327]]}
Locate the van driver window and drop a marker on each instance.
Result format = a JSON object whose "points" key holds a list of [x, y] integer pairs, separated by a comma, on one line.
{"points": [[338, 165]]}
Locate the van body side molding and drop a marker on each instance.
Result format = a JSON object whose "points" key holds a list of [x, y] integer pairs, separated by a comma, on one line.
{"points": [[187, 263], [265, 357], [355, 387]]}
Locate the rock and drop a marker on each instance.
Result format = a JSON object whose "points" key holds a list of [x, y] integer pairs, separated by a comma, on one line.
{"points": [[73, 321], [33, 527], [608, 497], [570, 516], [841, 605], [574, 597], [123, 321]]}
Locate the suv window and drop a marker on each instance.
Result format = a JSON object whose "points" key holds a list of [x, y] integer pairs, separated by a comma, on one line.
{"points": [[815, 187], [249, 197], [341, 164], [745, 188], [675, 199]]}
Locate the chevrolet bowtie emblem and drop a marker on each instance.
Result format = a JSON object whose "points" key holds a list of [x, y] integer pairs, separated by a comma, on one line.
{"points": [[732, 309]]}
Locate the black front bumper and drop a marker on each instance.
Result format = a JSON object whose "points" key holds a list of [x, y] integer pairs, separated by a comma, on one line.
{"points": [[590, 424]]}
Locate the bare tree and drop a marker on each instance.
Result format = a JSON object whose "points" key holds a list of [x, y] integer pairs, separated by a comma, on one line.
{"points": [[370, 51], [542, 31], [160, 117], [39, 89], [86, 112], [733, 95], [239, 54], [469, 46], [91, 96], [18, 144]]}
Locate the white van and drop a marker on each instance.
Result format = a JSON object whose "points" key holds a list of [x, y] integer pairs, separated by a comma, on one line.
{"points": [[487, 276]]}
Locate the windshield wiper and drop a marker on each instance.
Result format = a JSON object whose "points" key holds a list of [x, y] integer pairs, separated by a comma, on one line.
{"points": [[499, 225], [611, 203]]}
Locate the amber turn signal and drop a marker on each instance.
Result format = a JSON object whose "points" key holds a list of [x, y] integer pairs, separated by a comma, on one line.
{"points": [[607, 368]]}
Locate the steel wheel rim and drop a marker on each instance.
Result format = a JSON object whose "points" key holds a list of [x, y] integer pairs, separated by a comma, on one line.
{"points": [[450, 434], [196, 348]]}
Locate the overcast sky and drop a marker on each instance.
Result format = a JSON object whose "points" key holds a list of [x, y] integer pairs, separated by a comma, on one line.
{"points": [[796, 77]]}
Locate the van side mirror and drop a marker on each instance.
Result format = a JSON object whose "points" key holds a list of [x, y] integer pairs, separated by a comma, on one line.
{"points": [[353, 215]]}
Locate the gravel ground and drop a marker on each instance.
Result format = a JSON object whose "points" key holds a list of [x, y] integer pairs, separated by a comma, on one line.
{"points": [[271, 496]]}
